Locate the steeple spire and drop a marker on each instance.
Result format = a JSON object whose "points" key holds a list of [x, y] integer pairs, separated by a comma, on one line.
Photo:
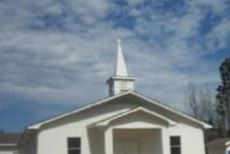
{"points": [[121, 69], [120, 82]]}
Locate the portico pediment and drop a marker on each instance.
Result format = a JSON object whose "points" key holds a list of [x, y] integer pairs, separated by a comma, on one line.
{"points": [[138, 117]]}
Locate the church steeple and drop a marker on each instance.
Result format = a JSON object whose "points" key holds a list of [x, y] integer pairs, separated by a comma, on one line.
{"points": [[120, 82], [121, 69]]}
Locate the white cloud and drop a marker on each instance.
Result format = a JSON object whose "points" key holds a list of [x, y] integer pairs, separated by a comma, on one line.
{"points": [[54, 66], [135, 12], [134, 2], [216, 5], [219, 38]]}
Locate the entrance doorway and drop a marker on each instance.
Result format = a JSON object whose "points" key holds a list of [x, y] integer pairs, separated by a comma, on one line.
{"points": [[137, 141], [127, 146]]}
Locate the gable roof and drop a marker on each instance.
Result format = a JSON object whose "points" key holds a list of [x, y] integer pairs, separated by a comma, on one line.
{"points": [[106, 100], [9, 139], [107, 121], [218, 142]]}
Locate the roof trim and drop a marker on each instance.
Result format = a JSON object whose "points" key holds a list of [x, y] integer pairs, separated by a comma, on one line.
{"points": [[38, 125], [205, 125], [107, 121]]}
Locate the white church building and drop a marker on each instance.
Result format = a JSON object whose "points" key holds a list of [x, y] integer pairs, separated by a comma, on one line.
{"points": [[126, 122]]}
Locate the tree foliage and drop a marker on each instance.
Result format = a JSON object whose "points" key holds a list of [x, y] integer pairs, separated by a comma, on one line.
{"points": [[223, 97]]}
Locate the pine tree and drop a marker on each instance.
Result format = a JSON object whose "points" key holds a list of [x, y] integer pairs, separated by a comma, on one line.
{"points": [[223, 98]]}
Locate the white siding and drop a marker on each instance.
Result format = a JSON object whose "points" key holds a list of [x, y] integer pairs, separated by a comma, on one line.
{"points": [[52, 139], [192, 139]]}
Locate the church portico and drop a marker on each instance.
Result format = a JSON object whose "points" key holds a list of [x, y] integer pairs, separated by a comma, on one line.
{"points": [[138, 131]]}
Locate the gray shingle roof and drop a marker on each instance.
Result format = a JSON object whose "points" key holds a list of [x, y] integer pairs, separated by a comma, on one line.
{"points": [[9, 138], [218, 142]]}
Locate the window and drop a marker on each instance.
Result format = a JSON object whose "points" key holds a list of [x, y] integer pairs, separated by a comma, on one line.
{"points": [[175, 145], [74, 145]]}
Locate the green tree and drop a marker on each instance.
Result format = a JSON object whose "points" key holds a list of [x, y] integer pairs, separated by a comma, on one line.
{"points": [[223, 98]]}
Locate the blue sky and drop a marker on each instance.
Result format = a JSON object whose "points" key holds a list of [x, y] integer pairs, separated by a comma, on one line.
{"points": [[56, 55]]}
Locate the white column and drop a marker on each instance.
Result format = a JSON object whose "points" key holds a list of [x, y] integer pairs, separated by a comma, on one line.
{"points": [[165, 141], [108, 141]]}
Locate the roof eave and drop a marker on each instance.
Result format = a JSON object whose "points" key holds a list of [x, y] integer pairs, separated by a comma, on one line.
{"points": [[40, 124], [201, 123]]}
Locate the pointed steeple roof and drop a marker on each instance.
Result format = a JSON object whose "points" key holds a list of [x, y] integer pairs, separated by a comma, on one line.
{"points": [[121, 69]]}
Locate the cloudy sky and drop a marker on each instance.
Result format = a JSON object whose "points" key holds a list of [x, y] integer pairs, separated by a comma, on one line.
{"points": [[56, 55]]}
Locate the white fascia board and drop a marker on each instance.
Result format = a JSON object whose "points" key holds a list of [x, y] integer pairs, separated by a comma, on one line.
{"points": [[203, 124], [38, 125], [107, 121]]}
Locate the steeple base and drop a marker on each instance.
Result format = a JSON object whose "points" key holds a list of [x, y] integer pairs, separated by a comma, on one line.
{"points": [[120, 84]]}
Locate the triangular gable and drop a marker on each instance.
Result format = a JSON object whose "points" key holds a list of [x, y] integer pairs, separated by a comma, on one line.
{"points": [[109, 99], [172, 110], [103, 101], [107, 121]]}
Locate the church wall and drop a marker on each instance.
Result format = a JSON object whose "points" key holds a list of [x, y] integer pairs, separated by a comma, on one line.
{"points": [[192, 138], [96, 141], [53, 137], [120, 85]]}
